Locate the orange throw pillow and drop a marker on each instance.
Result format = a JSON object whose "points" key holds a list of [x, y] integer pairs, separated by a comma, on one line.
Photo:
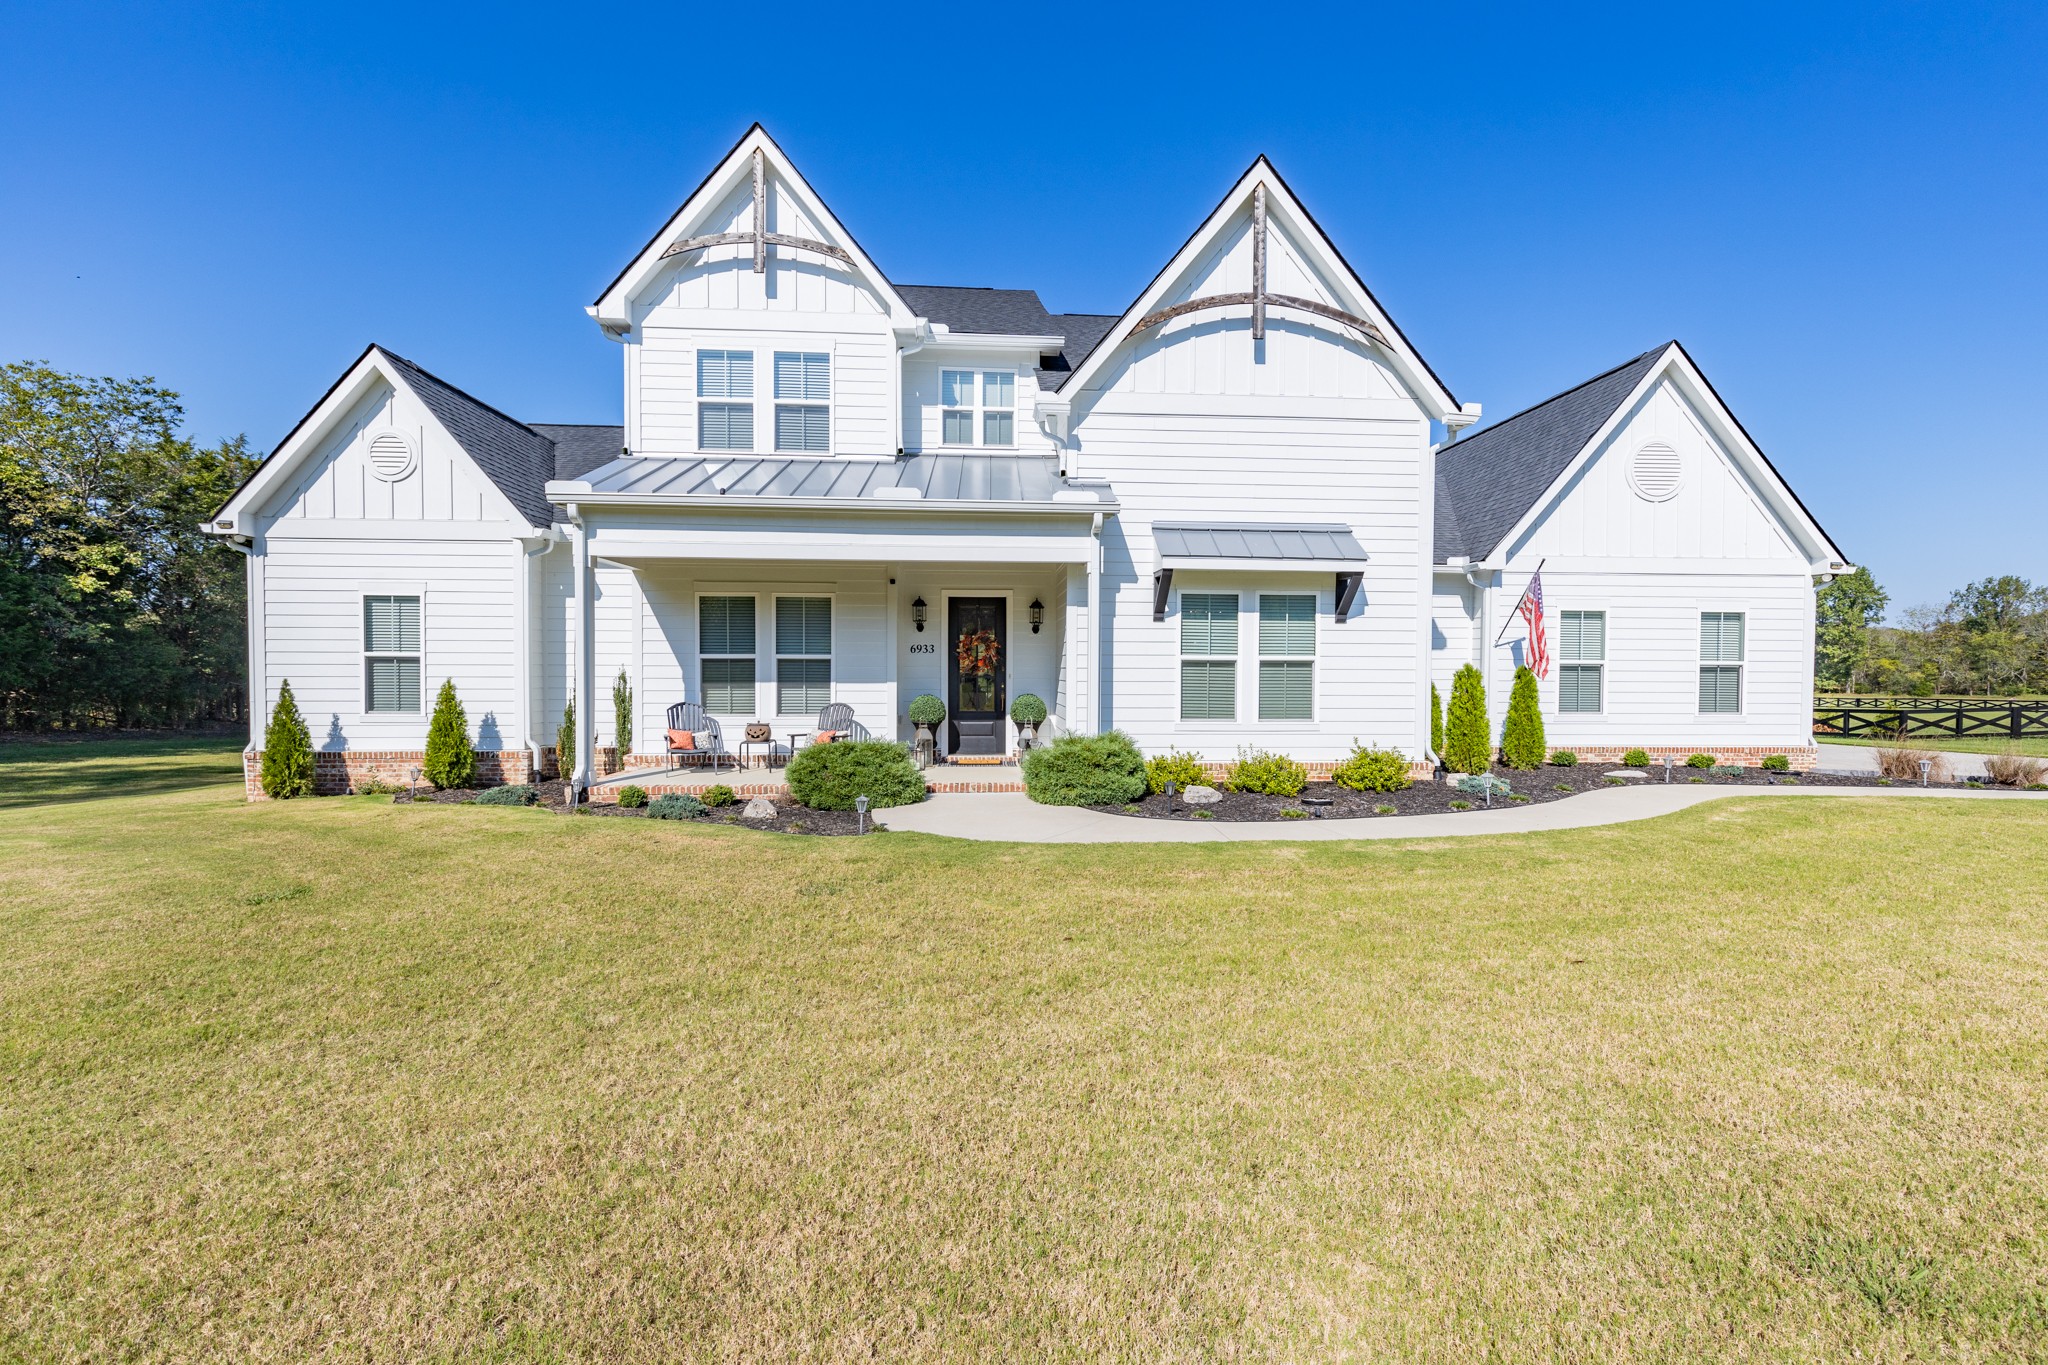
{"points": [[825, 736], [681, 739]]}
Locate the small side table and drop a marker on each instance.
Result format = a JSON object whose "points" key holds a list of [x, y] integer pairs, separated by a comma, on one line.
{"points": [[766, 758]]}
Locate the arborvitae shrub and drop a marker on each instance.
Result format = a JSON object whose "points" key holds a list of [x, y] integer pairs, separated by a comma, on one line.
{"points": [[1372, 770], [1521, 734], [287, 750], [1182, 769], [830, 776], [1467, 746], [1436, 721], [565, 742], [622, 715], [1085, 770], [1268, 774], [450, 761]]}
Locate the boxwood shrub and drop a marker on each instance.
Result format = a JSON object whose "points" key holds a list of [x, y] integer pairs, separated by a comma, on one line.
{"points": [[926, 709], [632, 798], [1269, 774], [1028, 709], [1776, 763], [1182, 769], [1085, 770], [1563, 758], [1635, 758], [830, 776], [1700, 761], [1372, 770], [719, 794], [675, 807], [512, 794]]}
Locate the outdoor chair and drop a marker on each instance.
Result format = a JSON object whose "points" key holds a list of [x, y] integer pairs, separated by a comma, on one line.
{"points": [[690, 715], [837, 718]]}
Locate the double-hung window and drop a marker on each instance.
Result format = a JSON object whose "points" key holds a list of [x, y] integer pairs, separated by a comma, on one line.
{"points": [[725, 400], [725, 654], [1208, 649], [996, 408], [803, 654], [1287, 646], [1582, 662], [391, 653], [803, 392], [1721, 646]]}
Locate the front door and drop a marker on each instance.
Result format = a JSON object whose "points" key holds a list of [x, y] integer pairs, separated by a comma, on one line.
{"points": [[980, 657]]}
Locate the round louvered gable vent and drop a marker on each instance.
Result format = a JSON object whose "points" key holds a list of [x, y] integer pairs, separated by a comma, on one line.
{"points": [[390, 456], [1656, 472]]}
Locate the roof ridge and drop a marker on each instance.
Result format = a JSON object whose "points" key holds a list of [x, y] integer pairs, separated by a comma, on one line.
{"points": [[1493, 427], [466, 395]]}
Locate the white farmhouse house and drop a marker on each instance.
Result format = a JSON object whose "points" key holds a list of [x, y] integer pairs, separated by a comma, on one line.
{"points": [[1242, 512]]}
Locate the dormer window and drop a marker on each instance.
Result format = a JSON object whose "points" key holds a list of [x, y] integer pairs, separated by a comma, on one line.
{"points": [[994, 415], [803, 392], [725, 375]]}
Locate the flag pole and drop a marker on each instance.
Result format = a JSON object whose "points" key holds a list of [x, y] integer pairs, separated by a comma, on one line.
{"points": [[1518, 601]]}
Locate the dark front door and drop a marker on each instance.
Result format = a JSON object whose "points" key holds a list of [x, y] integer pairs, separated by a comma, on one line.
{"points": [[980, 656]]}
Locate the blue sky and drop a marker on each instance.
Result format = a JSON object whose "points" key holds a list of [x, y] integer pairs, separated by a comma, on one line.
{"points": [[1838, 208]]}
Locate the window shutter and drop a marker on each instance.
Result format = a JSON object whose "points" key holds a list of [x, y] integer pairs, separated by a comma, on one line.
{"points": [[1287, 624], [1208, 689], [803, 625], [1286, 690], [1208, 623]]}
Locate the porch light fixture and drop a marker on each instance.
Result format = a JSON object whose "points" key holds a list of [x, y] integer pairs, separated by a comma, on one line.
{"points": [[917, 614], [1037, 610]]}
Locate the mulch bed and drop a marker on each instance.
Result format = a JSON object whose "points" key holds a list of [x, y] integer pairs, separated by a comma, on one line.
{"points": [[790, 818], [1434, 798]]}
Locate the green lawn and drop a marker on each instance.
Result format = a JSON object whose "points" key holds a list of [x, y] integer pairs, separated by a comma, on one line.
{"points": [[2038, 748], [342, 1079], [35, 771]]}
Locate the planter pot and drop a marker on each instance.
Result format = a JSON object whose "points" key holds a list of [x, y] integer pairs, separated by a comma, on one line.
{"points": [[923, 748], [1027, 736]]}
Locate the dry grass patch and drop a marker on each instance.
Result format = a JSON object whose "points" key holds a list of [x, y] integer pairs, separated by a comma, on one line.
{"points": [[343, 1078]]}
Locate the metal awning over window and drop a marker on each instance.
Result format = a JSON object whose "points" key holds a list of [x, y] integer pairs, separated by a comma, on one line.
{"points": [[1255, 546]]}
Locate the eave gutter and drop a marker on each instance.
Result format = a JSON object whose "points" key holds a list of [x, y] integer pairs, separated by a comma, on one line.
{"points": [[934, 506]]}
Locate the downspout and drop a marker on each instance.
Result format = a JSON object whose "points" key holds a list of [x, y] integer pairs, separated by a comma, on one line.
{"points": [[923, 335], [1485, 649], [579, 536], [252, 613], [528, 554]]}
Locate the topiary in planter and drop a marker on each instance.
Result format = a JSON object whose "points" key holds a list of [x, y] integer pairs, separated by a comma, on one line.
{"points": [[1372, 770], [450, 761], [926, 709], [675, 807], [1467, 745], [1085, 770], [1635, 758], [632, 798], [1184, 770], [512, 794], [719, 795], [1521, 734], [1268, 774], [287, 769], [1028, 709], [830, 776]]}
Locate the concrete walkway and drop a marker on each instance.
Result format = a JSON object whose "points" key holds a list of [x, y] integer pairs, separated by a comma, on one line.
{"points": [[1005, 817], [1858, 758]]}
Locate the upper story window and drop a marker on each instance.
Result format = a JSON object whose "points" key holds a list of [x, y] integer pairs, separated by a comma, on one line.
{"points": [[973, 401], [803, 393], [725, 375]]}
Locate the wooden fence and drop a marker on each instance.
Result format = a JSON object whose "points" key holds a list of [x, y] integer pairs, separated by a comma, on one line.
{"points": [[1959, 717]]}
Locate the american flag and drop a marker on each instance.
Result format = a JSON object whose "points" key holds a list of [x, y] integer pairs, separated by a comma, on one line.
{"points": [[1531, 610]]}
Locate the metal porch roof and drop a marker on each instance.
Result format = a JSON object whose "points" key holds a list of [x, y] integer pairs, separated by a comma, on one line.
{"points": [[931, 477], [1291, 543]]}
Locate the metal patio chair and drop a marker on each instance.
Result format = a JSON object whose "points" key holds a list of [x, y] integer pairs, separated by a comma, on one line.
{"points": [[691, 716]]}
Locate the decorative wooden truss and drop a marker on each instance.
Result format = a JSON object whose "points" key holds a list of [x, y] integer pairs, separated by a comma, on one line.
{"points": [[1260, 298], [760, 238]]}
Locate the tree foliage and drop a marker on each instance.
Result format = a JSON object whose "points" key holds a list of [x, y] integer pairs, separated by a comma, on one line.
{"points": [[1845, 611], [114, 608], [287, 768], [1468, 746], [1989, 639], [450, 758], [1521, 733]]}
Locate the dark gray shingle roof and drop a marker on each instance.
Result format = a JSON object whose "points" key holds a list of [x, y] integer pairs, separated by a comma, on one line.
{"points": [[1011, 312], [1488, 480], [581, 447], [515, 457], [934, 477]]}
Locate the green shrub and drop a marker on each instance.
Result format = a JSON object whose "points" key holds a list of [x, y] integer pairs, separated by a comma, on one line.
{"points": [[622, 715], [1294, 813], [287, 769], [1700, 761], [1028, 709], [450, 761], [1461, 805], [1776, 763], [1383, 810], [675, 807], [1568, 789], [830, 776], [1436, 722], [512, 794], [718, 794], [1563, 758], [565, 742], [1481, 783], [1635, 758], [1269, 774], [1725, 770], [377, 786], [1085, 770], [632, 798], [1182, 769], [1372, 770], [1521, 734], [926, 709], [1468, 747]]}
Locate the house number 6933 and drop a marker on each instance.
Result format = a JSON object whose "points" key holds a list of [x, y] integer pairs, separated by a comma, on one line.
{"points": [[927, 647]]}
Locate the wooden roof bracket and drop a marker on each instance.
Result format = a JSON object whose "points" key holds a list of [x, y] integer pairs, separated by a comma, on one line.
{"points": [[1162, 585], [1259, 297], [759, 237], [1348, 583]]}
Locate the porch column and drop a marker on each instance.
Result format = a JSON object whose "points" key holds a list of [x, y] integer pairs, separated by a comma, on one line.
{"points": [[1094, 670], [585, 655]]}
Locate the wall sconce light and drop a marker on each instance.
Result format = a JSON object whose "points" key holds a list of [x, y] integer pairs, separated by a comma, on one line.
{"points": [[917, 614], [1037, 610]]}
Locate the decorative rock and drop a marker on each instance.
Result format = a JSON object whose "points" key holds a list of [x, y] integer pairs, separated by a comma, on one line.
{"points": [[1625, 772], [760, 808], [1199, 795]]}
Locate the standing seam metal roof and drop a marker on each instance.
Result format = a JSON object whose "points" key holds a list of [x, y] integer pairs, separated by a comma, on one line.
{"points": [[1259, 540], [933, 477]]}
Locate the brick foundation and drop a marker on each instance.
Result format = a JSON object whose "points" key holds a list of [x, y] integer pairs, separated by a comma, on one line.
{"points": [[1803, 759], [337, 773]]}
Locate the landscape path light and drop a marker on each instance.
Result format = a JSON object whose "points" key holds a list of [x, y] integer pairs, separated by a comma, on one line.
{"points": [[1667, 769], [1925, 765], [1170, 790], [860, 811]]}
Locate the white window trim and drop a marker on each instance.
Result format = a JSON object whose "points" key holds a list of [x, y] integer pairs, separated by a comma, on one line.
{"points": [[363, 593], [1315, 674], [979, 408], [697, 631], [699, 399], [831, 659], [775, 404], [1741, 665], [1182, 658], [1600, 663]]}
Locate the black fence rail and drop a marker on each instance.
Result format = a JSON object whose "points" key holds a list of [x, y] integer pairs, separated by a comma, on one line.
{"points": [[1959, 717]]}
